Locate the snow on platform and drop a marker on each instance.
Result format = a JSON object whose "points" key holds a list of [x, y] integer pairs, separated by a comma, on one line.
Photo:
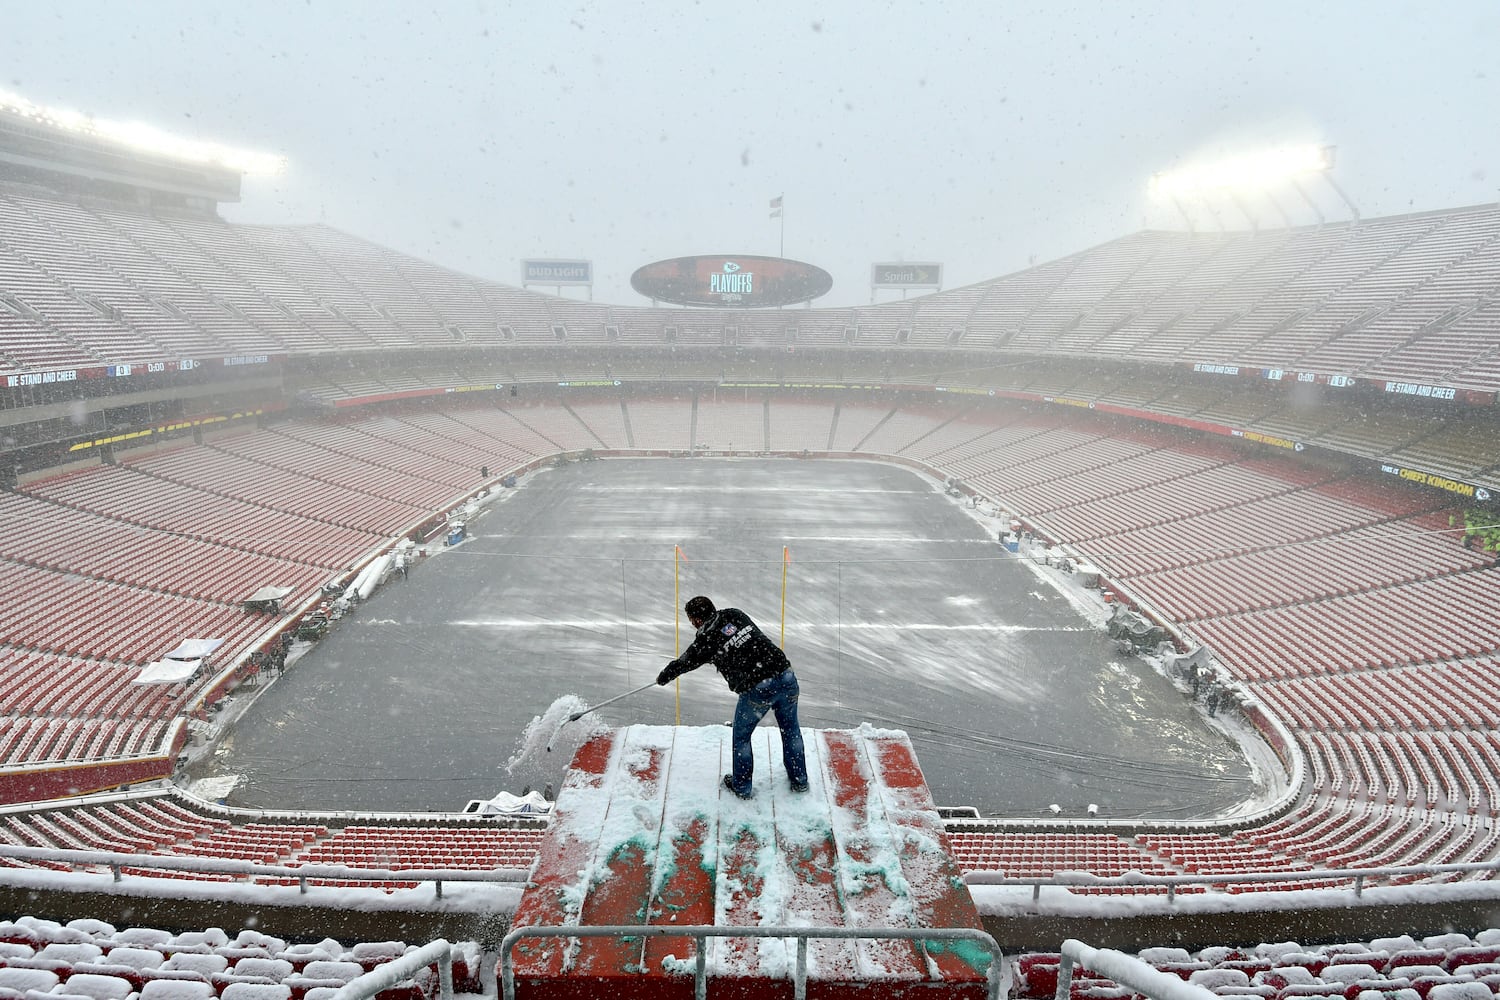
{"points": [[644, 833]]}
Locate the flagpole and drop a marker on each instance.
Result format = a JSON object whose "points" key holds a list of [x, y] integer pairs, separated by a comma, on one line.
{"points": [[786, 561], [778, 212], [677, 625]]}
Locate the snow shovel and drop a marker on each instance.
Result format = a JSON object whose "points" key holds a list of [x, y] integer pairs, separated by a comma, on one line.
{"points": [[619, 697]]}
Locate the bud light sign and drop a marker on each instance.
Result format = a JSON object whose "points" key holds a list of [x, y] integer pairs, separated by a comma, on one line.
{"points": [[557, 272]]}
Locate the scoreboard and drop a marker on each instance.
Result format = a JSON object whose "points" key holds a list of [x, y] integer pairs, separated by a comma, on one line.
{"points": [[734, 281]]}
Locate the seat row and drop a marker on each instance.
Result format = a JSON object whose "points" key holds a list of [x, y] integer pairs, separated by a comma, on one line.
{"points": [[1430, 620], [98, 620], [1450, 966], [66, 539], [219, 472], [92, 958], [158, 823], [1349, 562], [127, 495], [1431, 696], [31, 741]]}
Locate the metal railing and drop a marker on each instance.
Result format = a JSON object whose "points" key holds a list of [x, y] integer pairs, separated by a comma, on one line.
{"points": [[1356, 877], [699, 932], [391, 973], [1127, 970], [116, 862]]}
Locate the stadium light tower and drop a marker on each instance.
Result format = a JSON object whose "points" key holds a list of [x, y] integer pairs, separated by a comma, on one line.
{"points": [[1249, 174], [145, 138]]}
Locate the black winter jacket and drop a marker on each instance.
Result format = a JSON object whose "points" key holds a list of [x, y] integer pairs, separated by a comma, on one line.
{"points": [[736, 646]]}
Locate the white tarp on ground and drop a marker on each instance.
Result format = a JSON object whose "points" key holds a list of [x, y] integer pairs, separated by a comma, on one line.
{"points": [[216, 788], [167, 671], [506, 804], [370, 578], [193, 649], [269, 594]]}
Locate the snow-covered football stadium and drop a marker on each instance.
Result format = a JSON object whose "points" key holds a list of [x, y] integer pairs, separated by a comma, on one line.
{"points": [[1146, 599]]}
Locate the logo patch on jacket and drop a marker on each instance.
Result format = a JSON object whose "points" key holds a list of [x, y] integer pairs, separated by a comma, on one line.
{"points": [[730, 629]]}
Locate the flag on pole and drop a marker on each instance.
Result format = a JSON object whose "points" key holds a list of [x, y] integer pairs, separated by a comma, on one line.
{"points": [[776, 207]]}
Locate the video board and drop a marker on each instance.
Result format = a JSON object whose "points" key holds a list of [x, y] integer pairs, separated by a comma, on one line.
{"points": [[735, 281]]}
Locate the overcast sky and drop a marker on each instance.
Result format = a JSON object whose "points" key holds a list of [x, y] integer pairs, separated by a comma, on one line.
{"points": [[979, 135]]}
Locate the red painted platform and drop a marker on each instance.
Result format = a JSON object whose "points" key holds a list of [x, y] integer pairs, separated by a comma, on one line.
{"points": [[644, 834]]}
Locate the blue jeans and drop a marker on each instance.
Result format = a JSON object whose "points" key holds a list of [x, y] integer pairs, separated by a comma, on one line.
{"points": [[779, 694]]}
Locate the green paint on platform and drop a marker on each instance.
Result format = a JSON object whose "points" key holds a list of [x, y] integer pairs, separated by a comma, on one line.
{"points": [[973, 954]]}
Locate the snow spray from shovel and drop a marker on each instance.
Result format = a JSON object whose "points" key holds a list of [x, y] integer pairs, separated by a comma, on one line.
{"points": [[542, 733]]}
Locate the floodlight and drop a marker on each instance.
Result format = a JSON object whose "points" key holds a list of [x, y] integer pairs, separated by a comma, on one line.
{"points": [[1247, 172], [146, 138]]}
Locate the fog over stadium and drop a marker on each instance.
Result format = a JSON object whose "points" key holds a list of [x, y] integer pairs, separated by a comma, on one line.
{"points": [[982, 137]]}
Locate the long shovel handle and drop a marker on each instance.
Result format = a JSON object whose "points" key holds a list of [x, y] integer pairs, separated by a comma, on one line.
{"points": [[619, 697]]}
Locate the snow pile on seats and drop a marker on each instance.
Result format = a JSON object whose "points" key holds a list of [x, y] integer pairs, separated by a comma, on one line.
{"points": [[94, 959], [1451, 966]]}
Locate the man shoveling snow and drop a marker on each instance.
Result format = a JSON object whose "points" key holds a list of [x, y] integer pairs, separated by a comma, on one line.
{"points": [[758, 671]]}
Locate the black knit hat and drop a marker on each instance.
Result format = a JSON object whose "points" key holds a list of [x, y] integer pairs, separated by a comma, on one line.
{"points": [[699, 608]]}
